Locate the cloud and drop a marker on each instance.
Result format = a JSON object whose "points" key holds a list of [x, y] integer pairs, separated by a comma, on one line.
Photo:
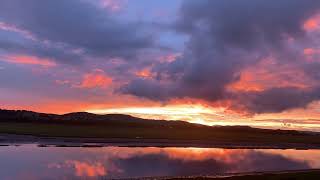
{"points": [[83, 169], [270, 74], [245, 23], [144, 73], [16, 42], [149, 89], [95, 79], [312, 23], [78, 24], [29, 60], [112, 5], [225, 39], [276, 99], [8, 27]]}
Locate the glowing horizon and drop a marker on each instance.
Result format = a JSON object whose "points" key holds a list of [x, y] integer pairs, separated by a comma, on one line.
{"points": [[199, 114]]}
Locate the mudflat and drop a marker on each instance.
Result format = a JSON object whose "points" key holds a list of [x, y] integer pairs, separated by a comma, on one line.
{"points": [[285, 175]]}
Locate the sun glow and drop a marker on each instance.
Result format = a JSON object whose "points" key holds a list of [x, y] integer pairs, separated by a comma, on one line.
{"points": [[198, 121], [191, 113], [200, 114]]}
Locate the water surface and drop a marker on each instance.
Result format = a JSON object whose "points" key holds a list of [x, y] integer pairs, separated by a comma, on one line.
{"points": [[33, 162]]}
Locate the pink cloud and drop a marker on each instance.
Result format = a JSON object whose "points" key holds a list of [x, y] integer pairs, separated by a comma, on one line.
{"points": [[312, 23], [311, 54], [170, 57], [29, 60], [95, 79], [309, 51], [12, 28], [112, 5]]}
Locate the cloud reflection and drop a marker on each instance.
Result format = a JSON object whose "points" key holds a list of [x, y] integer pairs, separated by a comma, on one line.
{"points": [[122, 162]]}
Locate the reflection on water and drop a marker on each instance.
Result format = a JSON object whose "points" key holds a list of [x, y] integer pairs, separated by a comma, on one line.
{"points": [[32, 162]]}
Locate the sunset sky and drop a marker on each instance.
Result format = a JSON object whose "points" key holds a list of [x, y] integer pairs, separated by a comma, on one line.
{"points": [[215, 62]]}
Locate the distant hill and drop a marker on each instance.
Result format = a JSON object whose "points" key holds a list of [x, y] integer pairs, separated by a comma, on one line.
{"points": [[84, 118]]}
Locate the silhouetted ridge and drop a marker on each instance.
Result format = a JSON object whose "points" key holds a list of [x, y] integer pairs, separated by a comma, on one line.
{"points": [[79, 118]]}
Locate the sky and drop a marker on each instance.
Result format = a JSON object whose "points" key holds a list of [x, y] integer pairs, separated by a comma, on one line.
{"points": [[215, 62]]}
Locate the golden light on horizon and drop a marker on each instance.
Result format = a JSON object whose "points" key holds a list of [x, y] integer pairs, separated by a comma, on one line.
{"points": [[200, 114], [190, 113], [170, 109], [197, 114]]}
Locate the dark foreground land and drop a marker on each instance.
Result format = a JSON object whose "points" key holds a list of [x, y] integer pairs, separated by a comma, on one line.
{"points": [[124, 129], [291, 175]]}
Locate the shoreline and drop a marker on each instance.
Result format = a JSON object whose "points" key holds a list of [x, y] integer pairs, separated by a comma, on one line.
{"points": [[268, 175], [45, 141]]}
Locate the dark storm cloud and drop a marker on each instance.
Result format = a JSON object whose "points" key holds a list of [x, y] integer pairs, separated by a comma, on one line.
{"points": [[226, 37], [246, 23], [148, 89], [76, 23], [277, 99]]}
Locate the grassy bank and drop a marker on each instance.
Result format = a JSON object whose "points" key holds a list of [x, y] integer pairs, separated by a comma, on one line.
{"points": [[143, 131]]}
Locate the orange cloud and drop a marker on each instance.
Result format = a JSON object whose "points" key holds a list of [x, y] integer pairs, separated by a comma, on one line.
{"points": [[30, 60], [247, 83], [61, 105], [83, 169], [144, 73], [51, 106], [96, 79], [269, 74], [312, 23]]}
